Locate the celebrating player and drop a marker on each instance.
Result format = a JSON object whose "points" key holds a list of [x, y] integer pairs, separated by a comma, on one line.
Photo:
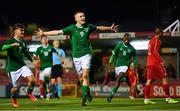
{"points": [[45, 53], [155, 68], [16, 67], [81, 48], [125, 54]]}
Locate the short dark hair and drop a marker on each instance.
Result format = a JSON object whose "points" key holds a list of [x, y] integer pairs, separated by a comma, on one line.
{"points": [[43, 36], [79, 11], [127, 35], [18, 25], [157, 31]]}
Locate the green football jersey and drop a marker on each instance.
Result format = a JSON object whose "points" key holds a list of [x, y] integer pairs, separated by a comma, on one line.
{"points": [[125, 54], [79, 39], [16, 54], [45, 54]]}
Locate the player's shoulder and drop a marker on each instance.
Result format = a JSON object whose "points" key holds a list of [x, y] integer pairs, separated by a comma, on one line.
{"points": [[10, 41], [23, 40], [120, 43], [50, 46], [71, 26], [90, 25], [40, 47]]}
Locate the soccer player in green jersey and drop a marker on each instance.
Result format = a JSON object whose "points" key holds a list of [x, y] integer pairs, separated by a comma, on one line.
{"points": [[81, 48], [45, 52], [125, 54], [16, 67]]}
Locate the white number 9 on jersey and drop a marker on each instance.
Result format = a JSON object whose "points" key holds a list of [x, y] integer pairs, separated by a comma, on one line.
{"points": [[81, 33]]}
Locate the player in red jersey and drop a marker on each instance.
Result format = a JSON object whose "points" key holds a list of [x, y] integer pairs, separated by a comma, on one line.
{"points": [[155, 68], [37, 73], [133, 80]]}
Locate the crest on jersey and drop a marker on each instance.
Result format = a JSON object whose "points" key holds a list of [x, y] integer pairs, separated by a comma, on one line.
{"points": [[86, 29], [129, 50], [49, 50]]}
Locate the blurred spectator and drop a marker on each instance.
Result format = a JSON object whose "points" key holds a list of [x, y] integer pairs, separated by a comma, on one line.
{"points": [[141, 72], [171, 71]]}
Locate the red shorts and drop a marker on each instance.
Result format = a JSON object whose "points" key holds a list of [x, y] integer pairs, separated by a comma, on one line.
{"points": [[132, 80], [156, 72]]}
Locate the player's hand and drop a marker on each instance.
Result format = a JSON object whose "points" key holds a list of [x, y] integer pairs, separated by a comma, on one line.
{"points": [[110, 68], [137, 79], [15, 44], [162, 64], [114, 27], [39, 33]]}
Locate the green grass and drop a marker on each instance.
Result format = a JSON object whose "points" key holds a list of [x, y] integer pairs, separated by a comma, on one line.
{"points": [[98, 104]]}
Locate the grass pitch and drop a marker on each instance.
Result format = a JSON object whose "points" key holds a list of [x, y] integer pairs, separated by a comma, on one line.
{"points": [[98, 104]]}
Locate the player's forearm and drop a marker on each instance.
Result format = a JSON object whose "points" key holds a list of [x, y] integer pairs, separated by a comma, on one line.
{"points": [[53, 32], [103, 28], [6, 47], [111, 58], [135, 61]]}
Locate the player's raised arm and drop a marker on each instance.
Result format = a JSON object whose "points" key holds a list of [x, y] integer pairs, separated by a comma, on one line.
{"points": [[113, 27], [40, 32]]}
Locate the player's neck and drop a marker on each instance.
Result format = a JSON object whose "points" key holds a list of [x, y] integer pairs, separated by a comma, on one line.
{"points": [[44, 45], [79, 25], [17, 37]]}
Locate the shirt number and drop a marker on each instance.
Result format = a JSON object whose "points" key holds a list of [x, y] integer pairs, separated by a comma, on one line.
{"points": [[124, 53], [81, 33], [45, 53]]}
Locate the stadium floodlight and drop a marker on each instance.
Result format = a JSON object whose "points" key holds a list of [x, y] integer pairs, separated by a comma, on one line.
{"points": [[140, 44]]}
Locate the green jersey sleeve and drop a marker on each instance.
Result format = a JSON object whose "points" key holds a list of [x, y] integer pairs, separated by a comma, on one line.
{"points": [[6, 45], [92, 27], [114, 53], [27, 53], [134, 56], [67, 30], [37, 52], [116, 49]]}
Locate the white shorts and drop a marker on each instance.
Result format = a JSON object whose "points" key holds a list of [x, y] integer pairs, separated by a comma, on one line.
{"points": [[45, 72], [120, 69], [15, 75], [81, 63]]}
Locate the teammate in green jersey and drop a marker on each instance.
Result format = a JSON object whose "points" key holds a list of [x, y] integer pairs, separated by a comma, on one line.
{"points": [[45, 52], [125, 54], [16, 67], [81, 48]]}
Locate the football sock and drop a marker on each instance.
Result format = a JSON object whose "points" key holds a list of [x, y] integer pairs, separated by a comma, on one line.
{"points": [[166, 90], [146, 92], [59, 90]]}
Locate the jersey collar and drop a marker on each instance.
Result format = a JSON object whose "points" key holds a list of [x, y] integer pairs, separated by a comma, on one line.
{"points": [[45, 46], [125, 45], [17, 39]]}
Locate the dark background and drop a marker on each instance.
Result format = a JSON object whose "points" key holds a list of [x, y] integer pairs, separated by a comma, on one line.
{"points": [[131, 15]]}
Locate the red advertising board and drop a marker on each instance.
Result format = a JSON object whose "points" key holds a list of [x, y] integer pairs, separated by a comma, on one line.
{"points": [[157, 90]]}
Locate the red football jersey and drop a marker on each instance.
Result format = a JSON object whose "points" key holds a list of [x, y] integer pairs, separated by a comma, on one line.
{"points": [[153, 56]]}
